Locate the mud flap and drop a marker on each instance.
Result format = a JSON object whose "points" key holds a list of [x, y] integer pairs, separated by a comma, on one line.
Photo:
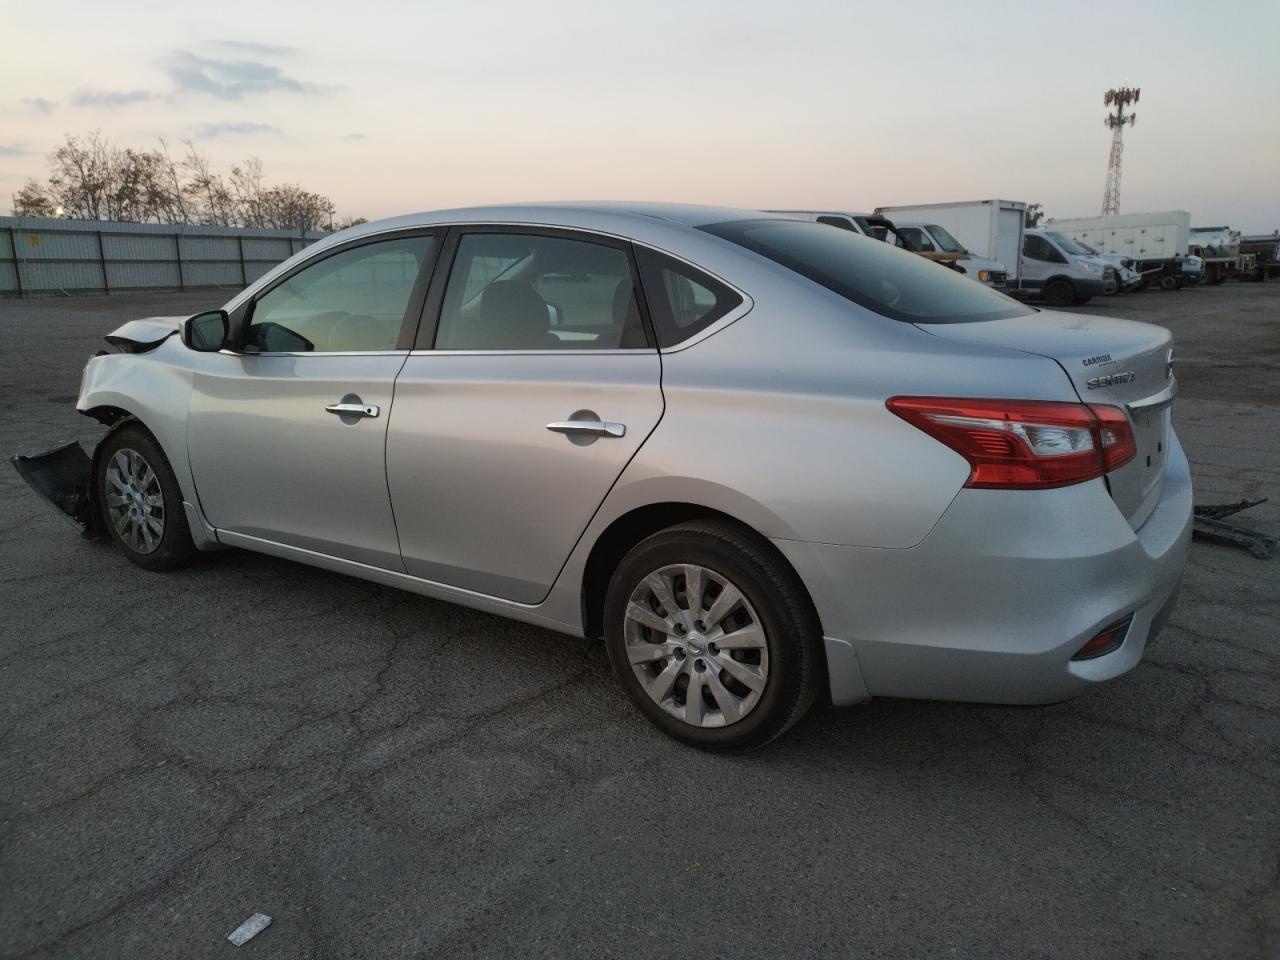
{"points": [[62, 476]]}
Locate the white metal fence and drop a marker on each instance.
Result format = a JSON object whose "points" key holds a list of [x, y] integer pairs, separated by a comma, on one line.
{"points": [[39, 257]]}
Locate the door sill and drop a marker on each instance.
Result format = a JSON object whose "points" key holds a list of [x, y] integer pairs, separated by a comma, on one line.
{"points": [[527, 613]]}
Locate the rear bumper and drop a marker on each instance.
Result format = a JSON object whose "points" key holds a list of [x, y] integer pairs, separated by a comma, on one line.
{"points": [[994, 603]]}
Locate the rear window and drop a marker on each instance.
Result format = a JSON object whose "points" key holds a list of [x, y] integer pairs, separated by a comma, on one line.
{"points": [[892, 282]]}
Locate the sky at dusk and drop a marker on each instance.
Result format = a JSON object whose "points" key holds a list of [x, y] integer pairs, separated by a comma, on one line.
{"points": [[391, 107]]}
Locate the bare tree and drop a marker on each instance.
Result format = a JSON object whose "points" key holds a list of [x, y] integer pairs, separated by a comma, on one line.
{"points": [[207, 190], [289, 207], [169, 196], [93, 179], [246, 187], [127, 193], [81, 175], [1035, 213], [33, 201]]}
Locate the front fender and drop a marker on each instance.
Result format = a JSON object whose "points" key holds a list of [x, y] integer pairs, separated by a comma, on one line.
{"points": [[153, 388]]}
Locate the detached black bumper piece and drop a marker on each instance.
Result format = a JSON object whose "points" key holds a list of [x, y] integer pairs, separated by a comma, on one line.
{"points": [[61, 476], [1209, 525]]}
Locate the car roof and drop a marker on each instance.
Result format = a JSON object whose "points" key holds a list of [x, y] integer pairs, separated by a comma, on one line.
{"points": [[664, 226], [570, 214], [824, 213], [659, 224]]}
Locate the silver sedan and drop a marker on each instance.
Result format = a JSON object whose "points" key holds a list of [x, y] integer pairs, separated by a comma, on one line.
{"points": [[765, 460]]}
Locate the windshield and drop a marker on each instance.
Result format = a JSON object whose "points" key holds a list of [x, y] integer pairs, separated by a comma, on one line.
{"points": [[1086, 248], [1070, 246], [889, 281], [945, 240]]}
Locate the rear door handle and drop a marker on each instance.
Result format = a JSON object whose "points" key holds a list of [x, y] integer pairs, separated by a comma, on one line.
{"points": [[588, 428], [345, 409]]}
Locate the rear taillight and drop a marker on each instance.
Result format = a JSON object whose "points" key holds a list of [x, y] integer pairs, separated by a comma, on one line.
{"points": [[1024, 444], [1118, 444]]}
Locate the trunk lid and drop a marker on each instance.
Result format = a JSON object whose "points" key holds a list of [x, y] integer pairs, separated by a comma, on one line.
{"points": [[1122, 363]]}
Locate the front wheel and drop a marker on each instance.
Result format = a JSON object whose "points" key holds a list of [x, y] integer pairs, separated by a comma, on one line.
{"points": [[1059, 293], [713, 636], [140, 501]]}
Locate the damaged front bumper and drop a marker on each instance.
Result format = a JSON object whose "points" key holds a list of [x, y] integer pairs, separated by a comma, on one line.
{"points": [[62, 477]]}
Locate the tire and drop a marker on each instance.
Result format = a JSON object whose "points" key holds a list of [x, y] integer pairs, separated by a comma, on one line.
{"points": [[777, 637], [133, 475], [1059, 293], [1168, 283], [1081, 301]]}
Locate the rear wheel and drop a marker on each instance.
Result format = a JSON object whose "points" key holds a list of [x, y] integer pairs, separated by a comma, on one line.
{"points": [[1059, 293], [140, 501], [713, 636]]}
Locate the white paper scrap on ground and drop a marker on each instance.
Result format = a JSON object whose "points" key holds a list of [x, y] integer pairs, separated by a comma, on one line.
{"points": [[249, 929]]}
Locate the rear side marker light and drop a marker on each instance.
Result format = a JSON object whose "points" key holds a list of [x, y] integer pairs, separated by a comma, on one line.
{"points": [[1107, 641], [1024, 444]]}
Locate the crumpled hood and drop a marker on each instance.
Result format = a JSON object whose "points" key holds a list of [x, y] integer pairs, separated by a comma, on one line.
{"points": [[139, 336]]}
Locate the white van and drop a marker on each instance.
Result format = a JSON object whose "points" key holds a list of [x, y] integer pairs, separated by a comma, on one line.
{"points": [[868, 224], [1062, 273], [930, 237], [1127, 275]]}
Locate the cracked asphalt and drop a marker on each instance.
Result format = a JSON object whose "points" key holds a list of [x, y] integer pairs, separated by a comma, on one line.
{"points": [[392, 777]]}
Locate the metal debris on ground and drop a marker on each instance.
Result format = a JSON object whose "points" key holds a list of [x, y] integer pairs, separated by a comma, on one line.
{"points": [[249, 929], [1209, 525]]}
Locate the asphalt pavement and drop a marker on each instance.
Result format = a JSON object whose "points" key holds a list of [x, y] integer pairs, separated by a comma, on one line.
{"points": [[388, 776]]}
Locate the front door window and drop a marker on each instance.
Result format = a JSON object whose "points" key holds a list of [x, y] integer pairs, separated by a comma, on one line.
{"points": [[354, 300]]}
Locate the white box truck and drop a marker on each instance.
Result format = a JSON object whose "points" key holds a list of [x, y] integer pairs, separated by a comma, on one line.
{"points": [[1223, 257], [1157, 242], [987, 228]]}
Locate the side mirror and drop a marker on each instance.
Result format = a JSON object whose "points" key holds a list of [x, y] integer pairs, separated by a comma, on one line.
{"points": [[206, 332]]}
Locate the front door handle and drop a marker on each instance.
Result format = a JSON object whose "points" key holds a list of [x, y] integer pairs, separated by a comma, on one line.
{"points": [[588, 428], [346, 409]]}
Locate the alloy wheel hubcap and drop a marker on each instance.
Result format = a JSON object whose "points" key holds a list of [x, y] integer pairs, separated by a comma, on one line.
{"points": [[696, 645], [135, 502]]}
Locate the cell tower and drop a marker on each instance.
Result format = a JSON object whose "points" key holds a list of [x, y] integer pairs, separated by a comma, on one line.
{"points": [[1117, 120]]}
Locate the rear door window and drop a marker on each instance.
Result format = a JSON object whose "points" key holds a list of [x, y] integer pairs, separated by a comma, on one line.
{"points": [[515, 291]]}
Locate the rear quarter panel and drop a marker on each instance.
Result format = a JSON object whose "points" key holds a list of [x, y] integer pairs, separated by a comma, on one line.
{"points": [[778, 420], [785, 408]]}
